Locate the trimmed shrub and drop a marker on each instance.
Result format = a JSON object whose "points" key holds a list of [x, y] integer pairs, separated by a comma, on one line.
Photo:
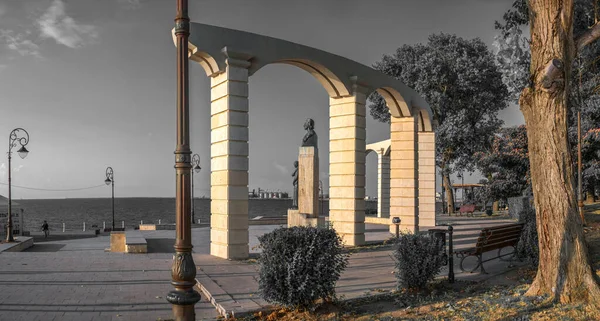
{"points": [[528, 246], [418, 260], [299, 265]]}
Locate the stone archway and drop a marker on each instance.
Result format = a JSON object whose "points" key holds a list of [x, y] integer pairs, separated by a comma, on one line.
{"points": [[382, 149], [229, 57]]}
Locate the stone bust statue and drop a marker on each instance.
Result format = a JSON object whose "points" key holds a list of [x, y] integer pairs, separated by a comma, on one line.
{"points": [[310, 138]]}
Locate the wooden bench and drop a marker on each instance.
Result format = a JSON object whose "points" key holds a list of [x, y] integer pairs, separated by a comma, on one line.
{"points": [[492, 238], [467, 208]]}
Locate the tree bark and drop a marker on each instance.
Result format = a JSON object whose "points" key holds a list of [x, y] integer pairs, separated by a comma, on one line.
{"points": [[564, 272], [589, 192], [448, 189], [495, 206], [589, 199]]}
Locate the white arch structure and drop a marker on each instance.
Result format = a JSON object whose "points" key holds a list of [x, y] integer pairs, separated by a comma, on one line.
{"points": [[229, 57], [426, 178]]}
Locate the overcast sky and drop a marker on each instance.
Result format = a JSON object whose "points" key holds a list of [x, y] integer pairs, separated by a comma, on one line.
{"points": [[93, 82]]}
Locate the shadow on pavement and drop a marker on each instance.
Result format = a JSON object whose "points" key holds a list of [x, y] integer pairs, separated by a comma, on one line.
{"points": [[45, 248], [160, 245]]}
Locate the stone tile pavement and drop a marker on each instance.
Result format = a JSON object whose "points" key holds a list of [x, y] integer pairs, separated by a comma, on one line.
{"points": [[78, 280]]}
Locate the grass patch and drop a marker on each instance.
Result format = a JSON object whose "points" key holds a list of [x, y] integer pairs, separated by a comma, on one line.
{"points": [[499, 298]]}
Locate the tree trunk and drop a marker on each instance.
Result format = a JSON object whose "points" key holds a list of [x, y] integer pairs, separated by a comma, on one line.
{"points": [[564, 271], [589, 191], [449, 191], [496, 206], [589, 196]]}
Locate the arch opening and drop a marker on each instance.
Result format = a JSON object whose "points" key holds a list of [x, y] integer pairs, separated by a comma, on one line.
{"points": [[332, 84], [394, 101]]}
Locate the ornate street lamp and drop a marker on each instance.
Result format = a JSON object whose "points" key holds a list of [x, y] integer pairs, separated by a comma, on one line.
{"points": [[23, 139], [183, 271], [111, 181], [196, 168]]}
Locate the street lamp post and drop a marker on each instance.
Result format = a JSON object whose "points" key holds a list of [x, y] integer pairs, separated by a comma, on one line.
{"points": [[110, 180], [183, 271], [579, 165], [196, 168], [13, 139]]}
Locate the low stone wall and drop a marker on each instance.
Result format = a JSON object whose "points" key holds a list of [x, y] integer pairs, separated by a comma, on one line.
{"points": [[135, 242], [156, 227], [128, 242], [117, 241], [23, 243]]}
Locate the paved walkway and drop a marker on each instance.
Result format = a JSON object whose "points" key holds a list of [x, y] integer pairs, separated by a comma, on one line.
{"points": [[234, 284], [78, 280]]}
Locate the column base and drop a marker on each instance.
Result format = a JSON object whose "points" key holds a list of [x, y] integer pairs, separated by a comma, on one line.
{"points": [[230, 252], [353, 239]]}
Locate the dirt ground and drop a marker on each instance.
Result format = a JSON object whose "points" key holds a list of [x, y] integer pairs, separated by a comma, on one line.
{"points": [[498, 298]]}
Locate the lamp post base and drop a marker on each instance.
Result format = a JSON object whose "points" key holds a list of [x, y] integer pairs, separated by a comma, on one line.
{"points": [[183, 304]]}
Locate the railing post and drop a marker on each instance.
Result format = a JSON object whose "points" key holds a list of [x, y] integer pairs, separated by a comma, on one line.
{"points": [[84, 226], [63, 227], [450, 255]]}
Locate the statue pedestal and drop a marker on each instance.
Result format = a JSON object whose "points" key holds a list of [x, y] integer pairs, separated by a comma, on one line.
{"points": [[307, 213], [296, 218], [308, 181]]}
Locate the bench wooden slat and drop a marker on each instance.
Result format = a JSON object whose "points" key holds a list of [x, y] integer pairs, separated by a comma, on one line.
{"points": [[494, 238]]}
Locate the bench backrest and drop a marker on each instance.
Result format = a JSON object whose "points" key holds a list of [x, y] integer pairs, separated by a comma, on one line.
{"points": [[467, 208], [497, 237]]}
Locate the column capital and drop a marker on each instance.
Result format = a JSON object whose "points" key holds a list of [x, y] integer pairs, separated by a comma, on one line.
{"points": [[236, 58], [359, 87]]}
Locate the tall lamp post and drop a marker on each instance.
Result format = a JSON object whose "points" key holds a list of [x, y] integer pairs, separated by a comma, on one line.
{"points": [[183, 271], [23, 139], [579, 165], [196, 168], [110, 180]]}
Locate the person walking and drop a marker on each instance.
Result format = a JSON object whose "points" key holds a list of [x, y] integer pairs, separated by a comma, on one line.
{"points": [[45, 229]]}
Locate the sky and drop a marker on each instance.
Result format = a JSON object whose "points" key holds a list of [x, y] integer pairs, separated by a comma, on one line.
{"points": [[93, 82]]}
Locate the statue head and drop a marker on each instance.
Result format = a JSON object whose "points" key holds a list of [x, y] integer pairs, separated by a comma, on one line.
{"points": [[296, 164], [309, 124]]}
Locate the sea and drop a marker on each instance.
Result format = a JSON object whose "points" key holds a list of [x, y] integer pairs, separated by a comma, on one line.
{"points": [[97, 212]]}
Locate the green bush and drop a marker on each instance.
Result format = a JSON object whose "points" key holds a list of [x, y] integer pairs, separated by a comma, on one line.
{"points": [[418, 260], [528, 246], [299, 265]]}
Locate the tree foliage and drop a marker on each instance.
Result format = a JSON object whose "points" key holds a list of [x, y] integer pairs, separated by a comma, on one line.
{"points": [[460, 81], [505, 164], [512, 56]]}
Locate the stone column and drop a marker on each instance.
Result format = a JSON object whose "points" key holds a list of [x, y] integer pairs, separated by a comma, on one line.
{"points": [[347, 167], [403, 172], [426, 179], [229, 160], [383, 184]]}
